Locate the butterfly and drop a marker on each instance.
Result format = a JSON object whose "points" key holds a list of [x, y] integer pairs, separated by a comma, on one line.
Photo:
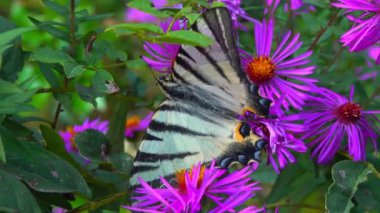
{"points": [[198, 121]]}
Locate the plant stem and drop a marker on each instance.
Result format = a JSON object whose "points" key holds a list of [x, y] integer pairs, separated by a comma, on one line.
{"points": [[290, 17], [72, 28], [323, 30], [171, 24], [122, 64], [92, 205], [72, 53], [334, 59]]}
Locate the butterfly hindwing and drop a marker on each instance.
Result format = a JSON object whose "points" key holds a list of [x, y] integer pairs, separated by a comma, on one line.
{"points": [[177, 138]]}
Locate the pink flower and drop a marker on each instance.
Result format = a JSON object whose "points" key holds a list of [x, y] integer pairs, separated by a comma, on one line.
{"points": [[135, 15], [280, 73], [365, 32], [162, 55], [227, 191], [374, 53], [278, 131], [69, 134], [134, 124], [331, 118]]}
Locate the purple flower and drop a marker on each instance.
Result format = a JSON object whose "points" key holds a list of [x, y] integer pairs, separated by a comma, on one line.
{"points": [[278, 131], [236, 11], [58, 210], [69, 134], [279, 73], [227, 191], [162, 56], [135, 15], [374, 53], [365, 32], [294, 4], [134, 124], [331, 118]]}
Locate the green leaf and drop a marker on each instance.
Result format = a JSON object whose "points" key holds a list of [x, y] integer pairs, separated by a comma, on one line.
{"points": [[73, 70], [40, 169], [146, 6], [192, 17], [87, 94], [49, 74], [217, 4], [13, 98], [8, 36], [55, 144], [347, 175], [141, 28], [294, 184], [123, 162], [101, 79], [49, 55], [94, 17], [58, 8], [185, 37], [2, 152], [15, 196], [8, 87], [48, 26], [93, 145]]}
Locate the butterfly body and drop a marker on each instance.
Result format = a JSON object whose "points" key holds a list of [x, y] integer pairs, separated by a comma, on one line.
{"points": [[206, 94]]}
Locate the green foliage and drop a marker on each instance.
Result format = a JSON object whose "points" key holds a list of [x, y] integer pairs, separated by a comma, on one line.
{"points": [[15, 196], [93, 145], [185, 37], [347, 176], [62, 61]]}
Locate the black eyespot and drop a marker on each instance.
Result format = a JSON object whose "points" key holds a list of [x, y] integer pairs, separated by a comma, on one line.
{"points": [[245, 130]]}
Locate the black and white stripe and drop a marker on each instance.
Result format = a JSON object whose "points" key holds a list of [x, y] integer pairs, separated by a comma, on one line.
{"points": [[206, 94]]}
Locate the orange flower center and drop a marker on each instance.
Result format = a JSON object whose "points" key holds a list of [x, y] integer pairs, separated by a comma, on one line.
{"points": [[181, 180], [132, 122], [73, 133], [260, 69], [349, 112]]}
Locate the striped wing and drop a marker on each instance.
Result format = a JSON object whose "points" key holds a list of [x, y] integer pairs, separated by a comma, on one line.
{"points": [[206, 93]]}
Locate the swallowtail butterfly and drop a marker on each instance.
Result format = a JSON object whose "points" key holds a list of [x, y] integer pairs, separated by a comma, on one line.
{"points": [[206, 93]]}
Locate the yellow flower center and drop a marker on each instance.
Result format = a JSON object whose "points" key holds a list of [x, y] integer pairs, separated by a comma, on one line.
{"points": [[181, 180], [260, 69], [132, 122]]}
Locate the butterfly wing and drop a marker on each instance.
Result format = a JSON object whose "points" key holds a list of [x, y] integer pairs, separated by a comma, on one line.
{"points": [[206, 94]]}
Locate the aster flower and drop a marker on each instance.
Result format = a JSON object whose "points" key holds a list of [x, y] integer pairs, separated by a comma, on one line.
{"points": [[236, 11], [226, 191], [294, 4], [277, 73], [365, 32], [360, 71], [331, 118], [278, 131], [374, 53], [162, 55], [134, 124], [135, 15], [69, 134]]}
